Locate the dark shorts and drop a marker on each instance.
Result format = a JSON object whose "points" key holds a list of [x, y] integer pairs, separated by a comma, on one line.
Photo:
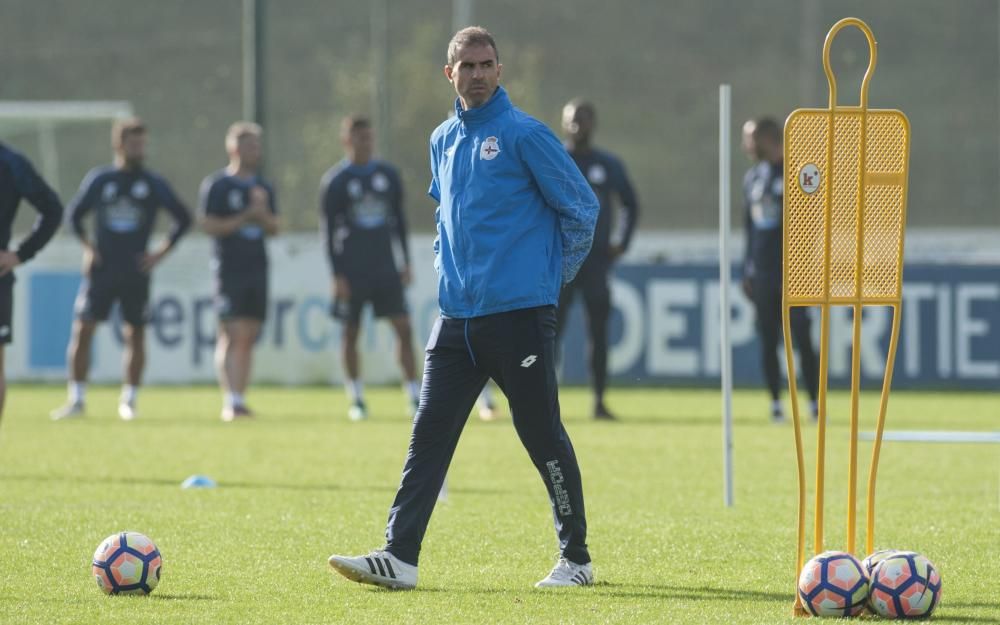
{"points": [[6, 311], [241, 297], [385, 292], [99, 291]]}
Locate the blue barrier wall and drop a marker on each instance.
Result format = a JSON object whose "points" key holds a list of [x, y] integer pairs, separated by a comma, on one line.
{"points": [[665, 330]]}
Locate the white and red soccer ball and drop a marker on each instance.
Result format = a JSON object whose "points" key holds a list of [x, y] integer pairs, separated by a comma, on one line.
{"points": [[833, 583], [904, 584], [127, 563]]}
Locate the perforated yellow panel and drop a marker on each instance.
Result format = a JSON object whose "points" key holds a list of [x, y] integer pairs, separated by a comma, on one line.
{"points": [[888, 149], [805, 213], [844, 209], [883, 204]]}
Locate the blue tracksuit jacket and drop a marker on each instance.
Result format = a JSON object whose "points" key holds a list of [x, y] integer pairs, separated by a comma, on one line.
{"points": [[516, 217]]}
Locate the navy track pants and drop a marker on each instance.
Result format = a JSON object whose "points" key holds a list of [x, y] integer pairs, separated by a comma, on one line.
{"points": [[517, 350]]}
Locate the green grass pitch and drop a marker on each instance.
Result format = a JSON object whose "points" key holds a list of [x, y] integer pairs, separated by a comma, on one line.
{"points": [[301, 482]]}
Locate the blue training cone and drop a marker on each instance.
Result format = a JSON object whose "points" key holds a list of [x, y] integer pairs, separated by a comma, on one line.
{"points": [[199, 481]]}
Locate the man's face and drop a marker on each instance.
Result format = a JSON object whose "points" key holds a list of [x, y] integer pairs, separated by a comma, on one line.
{"points": [[360, 143], [133, 148], [578, 123], [475, 74], [249, 149], [766, 148]]}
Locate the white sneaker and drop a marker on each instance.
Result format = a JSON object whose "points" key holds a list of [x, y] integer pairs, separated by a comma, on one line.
{"points": [[487, 413], [72, 410], [379, 568], [777, 412], [127, 411], [357, 411], [566, 573]]}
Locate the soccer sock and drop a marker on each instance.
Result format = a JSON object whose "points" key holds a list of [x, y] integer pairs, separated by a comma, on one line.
{"points": [[814, 408], [234, 399], [776, 407], [412, 388], [77, 391], [355, 390], [128, 393], [486, 398]]}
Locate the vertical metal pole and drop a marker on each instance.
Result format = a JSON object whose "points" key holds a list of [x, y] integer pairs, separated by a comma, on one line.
{"points": [[810, 31], [253, 61], [253, 67], [725, 309], [379, 31], [49, 152], [461, 14]]}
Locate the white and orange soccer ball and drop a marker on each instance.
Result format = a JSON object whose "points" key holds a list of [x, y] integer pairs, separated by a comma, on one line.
{"points": [[872, 559], [127, 563], [904, 585], [833, 583]]}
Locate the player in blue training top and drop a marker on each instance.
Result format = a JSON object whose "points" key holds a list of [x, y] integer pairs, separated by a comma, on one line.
{"points": [[238, 209], [18, 180], [124, 198], [364, 233], [515, 222], [764, 191], [607, 177]]}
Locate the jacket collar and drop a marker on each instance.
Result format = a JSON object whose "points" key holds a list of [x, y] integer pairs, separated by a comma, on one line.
{"points": [[497, 104]]}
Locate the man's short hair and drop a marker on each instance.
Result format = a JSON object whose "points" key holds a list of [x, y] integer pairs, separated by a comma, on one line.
{"points": [[354, 122], [471, 36], [767, 127], [123, 128], [582, 104], [239, 130]]}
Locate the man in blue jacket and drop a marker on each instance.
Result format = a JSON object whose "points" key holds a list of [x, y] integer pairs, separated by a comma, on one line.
{"points": [[515, 222]]}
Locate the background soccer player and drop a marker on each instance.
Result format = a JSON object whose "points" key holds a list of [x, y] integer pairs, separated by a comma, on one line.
{"points": [[607, 177], [238, 210], [515, 221], [18, 180], [361, 212], [124, 198], [764, 191]]}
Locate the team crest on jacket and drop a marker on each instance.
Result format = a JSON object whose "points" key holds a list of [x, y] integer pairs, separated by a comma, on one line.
{"points": [[596, 174], [235, 199], [490, 149], [109, 191], [140, 190]]}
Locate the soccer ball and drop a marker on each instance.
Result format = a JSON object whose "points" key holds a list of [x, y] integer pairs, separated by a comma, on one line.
{"points": [[904, 585], [833, 584], [127, 563], [874, 558]]}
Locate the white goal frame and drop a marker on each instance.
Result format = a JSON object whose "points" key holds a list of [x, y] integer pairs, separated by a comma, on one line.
{"points": [[45, 115]]}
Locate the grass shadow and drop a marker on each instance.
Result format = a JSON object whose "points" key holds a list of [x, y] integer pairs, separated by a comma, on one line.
{"points": [[668, 421], [292, 486], [641, 591], [183, 597], [668, 591]]}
